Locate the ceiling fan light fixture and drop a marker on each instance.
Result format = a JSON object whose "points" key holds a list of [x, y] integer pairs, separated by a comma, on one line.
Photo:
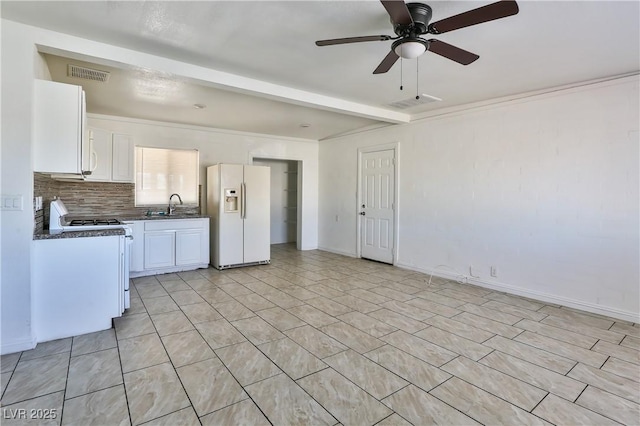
{"points": [[410, 49]]}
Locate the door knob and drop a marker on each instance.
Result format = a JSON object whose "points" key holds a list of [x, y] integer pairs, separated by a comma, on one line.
{"points": [[362, 213]]}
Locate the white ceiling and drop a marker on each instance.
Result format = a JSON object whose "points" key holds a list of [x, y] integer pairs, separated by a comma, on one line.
{"points": [[548, 44], [151, 95]]}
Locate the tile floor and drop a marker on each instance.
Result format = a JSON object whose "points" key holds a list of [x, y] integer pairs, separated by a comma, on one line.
{"points": [[317, 338]]}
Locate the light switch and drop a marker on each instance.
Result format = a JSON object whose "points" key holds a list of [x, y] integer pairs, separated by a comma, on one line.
{"points": [[12, 202]]}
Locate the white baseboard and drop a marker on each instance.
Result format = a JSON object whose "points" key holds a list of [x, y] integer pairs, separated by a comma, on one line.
{"points": [[18, 345], [532, 294], [173, 269], [344, 253]]}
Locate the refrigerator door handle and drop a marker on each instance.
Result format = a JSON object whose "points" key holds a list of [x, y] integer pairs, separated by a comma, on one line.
{"points": [[243, 201]]}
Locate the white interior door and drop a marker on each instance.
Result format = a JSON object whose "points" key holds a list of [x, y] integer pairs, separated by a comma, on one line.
{"points": [[377, 182], [256, 212]]}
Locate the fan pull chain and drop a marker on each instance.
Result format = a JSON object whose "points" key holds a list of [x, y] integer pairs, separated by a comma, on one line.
{"points": [[417, 77], [401, 73]]}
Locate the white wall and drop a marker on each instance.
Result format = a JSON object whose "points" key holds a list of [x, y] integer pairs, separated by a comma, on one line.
{"points": [[544, 188], [220, 146], [20, 65]]}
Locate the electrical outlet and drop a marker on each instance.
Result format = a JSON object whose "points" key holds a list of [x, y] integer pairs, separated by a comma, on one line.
{"points": [[494, 271]]}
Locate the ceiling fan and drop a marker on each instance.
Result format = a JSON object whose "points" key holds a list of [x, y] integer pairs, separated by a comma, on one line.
{"points": [[411, 20]]}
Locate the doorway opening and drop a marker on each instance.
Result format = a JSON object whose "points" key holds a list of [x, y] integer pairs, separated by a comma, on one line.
{"points": [[286, 185]]}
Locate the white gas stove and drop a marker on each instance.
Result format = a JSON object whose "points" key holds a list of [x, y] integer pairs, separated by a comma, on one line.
{"points": [[58, 223]]}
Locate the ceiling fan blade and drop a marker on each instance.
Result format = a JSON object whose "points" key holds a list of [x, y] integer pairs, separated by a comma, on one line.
{"points": [[487, 13], [386, 63], [352, 40], [398, 11], [449, 51]]}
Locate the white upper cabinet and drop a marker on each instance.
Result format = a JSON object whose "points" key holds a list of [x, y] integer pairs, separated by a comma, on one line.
{"points": [[98, 154], [109, 156], [58, 117], [122, 158]]}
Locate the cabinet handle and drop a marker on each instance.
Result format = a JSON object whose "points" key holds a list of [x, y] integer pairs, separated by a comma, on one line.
{"points": [[94, 155]]}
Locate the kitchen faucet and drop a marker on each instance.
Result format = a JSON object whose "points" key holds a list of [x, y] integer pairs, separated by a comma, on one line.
{"points": [[171, 207]]}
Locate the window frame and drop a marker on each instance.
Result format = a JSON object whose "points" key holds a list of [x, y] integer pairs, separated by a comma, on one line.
{"points": [[139, 182]]}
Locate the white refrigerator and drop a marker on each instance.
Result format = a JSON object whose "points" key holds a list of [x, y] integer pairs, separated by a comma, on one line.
{"points": [[239, 202]]}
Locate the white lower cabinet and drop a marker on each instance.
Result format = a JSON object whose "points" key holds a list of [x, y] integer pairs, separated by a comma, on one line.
{"points": [[159, 249], [169, 245], [188, 247], [78, 285], [136, 256]]}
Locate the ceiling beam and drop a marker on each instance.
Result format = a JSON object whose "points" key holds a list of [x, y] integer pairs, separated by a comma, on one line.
{"points": [[100, 53]]}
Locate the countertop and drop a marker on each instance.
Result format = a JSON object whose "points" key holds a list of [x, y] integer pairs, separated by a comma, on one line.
{"points": [[45, 235], [162, 217]]}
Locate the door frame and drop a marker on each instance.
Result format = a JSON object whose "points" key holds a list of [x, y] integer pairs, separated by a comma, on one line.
{"points": [[395, 147], [300, 163]]}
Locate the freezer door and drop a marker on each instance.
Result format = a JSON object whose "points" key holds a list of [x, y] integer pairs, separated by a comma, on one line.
{"points": [[256, 211], [229, 225]]}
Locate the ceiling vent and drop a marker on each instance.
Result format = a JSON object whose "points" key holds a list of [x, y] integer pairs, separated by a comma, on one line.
{"points": [[87, 73], [413, 102]]}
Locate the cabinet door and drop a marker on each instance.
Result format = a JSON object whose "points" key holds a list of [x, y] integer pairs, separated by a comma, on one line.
{"points": [[136, 256], [188, 247], [122, 163], [58, 114], [99, 155], [159, 249]]}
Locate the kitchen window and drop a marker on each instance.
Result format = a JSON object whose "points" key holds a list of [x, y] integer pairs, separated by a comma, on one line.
{"points": [[161, 172]]}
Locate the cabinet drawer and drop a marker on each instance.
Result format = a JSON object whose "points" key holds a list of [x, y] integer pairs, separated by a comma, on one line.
{"points": [[173, 224]]}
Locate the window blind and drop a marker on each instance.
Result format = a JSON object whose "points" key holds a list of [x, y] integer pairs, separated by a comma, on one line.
{"points": [[161, 172]]}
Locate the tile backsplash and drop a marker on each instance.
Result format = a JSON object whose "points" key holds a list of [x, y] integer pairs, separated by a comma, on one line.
{"points": [[47, 188], [99, 198], [82, 198]]}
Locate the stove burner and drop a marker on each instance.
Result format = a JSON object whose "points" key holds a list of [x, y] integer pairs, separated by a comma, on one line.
{"points": [[94, 222]]}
